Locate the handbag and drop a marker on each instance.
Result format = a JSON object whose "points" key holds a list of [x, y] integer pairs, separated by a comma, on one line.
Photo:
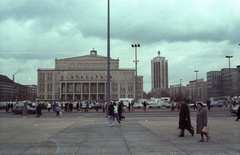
{"points": [[206, 130]]}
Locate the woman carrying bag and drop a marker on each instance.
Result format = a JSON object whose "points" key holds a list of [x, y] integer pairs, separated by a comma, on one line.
{"points": [[201, 121]]}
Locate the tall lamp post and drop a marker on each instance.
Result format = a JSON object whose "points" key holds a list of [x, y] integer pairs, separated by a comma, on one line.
{"points": [[108, 56], [136, 61], [196, 84], [230, 90], [180, 89]]}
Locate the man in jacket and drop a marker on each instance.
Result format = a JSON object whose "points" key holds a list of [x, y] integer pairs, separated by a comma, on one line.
{"points": [[184, 119]]}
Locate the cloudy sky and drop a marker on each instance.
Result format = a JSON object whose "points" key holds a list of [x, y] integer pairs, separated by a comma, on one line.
{"points": [[191, 35]]}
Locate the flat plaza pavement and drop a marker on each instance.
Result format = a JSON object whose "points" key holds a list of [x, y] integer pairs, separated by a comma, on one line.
{"points": [[90, 133]]}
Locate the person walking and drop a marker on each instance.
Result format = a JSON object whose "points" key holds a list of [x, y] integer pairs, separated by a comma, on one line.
{"points": [[57, 109], [116, 113], [39, 111], [172, 105], [120, 111], [238, 113], [144, 105], [110, 114], [208, 104], [201, 121], [77, 106], [24, 110], [97, 104], [184, 119], [129, 106]]}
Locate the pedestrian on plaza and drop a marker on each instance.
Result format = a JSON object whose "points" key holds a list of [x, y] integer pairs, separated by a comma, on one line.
{"points": [[8, 107], [179, 105], [58, 111], [81, 106], [144, 105], [238, 113], [116, 113], [226, 103], [234, 103], [184, 119], [172, 105], [103, 107], [97, 104], [201, 121], [77, 107], [24, 110], [208, 104], [120, 111], [88, 106], [70, 106], [85, 107], [129, 106], [194, 105], [110, 114], [65, 107], [39, 111], [132, 103]]}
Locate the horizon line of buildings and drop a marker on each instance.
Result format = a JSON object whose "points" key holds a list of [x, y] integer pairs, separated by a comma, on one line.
{"points": [[85, 78]]}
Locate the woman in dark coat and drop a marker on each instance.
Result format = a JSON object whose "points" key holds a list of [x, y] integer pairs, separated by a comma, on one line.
{"points": [[184, 119], [201, 121]]}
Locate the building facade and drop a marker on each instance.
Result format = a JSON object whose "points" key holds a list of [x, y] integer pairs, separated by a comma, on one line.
{"points": [[177, 91], [31, 92], [218, 82], [7, 89], [159, 74], [85, 78], [214, 79], [197, 90]]}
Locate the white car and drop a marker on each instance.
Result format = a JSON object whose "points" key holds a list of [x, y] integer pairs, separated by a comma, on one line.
{"points": [[137, 105], [155, 105], [192, 104]]}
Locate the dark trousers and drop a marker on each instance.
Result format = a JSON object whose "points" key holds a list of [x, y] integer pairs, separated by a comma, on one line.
{"points": [[190, 130]]}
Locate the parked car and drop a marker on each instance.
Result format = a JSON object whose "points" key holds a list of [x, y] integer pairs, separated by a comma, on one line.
{"points": [[192, 104], [166, 104], [234, 110], [155, 105], [18, 109], [137, 105], [217, 104]]}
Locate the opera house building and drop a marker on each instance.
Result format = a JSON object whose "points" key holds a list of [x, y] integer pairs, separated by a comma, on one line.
{"points": [[85, 78]]}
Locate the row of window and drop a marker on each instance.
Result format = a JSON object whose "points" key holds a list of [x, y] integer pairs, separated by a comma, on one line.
{"points": [[86, 76]]}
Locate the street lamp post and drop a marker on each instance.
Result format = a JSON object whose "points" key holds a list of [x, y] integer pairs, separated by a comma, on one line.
{"points": [[136, 61], [196, 84], [180, 89], [230, 90], [108, 56]]}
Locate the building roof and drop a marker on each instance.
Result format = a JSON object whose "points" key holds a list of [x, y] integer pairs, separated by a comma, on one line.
{"points": [[4, 78]]}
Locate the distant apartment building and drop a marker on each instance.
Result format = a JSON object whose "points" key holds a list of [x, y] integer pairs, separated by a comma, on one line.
{"points": [[177, 91], [85, 78], [31, 92], [197, 90], [218, 82], [214, 79], [229, 81], [159, 75]]}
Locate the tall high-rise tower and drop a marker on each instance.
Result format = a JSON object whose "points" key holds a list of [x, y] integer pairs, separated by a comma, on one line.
{"points": [[159, 73]]}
